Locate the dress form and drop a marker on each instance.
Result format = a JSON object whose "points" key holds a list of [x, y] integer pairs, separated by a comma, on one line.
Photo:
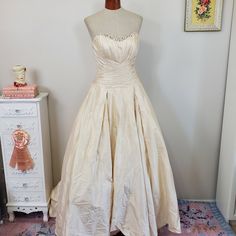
{"points": [[112, 4], [116, 22]]}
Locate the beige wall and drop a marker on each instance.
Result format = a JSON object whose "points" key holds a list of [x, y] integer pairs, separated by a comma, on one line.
{"points": [[183, 73]]}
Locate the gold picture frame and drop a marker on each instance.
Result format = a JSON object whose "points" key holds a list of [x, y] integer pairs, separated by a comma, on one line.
{"points": [[203, 15]]}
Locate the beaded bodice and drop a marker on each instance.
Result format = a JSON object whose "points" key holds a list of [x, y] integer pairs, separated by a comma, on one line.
{"points": [[115, 57]]}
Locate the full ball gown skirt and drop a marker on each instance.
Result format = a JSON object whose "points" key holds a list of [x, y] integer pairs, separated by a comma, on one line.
{"points": [[116, 173]]}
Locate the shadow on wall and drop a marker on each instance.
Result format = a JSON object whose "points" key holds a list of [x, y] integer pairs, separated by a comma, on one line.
{"points": [[3, 195], [167, 115], [53, 108]]}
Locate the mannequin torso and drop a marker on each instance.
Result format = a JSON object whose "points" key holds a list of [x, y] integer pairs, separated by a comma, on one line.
{"points": [[117, 23]]}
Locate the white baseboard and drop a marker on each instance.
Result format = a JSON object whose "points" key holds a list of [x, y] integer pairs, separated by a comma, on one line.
{"points": [[198, 200], [233, 222]]}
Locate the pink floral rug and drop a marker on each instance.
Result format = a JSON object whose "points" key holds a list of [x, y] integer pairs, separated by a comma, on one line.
{"points": [[200, 219], [197, 219]]}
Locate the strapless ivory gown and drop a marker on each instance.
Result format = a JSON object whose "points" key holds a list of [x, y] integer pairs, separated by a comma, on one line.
{"points": [[116, 172]]}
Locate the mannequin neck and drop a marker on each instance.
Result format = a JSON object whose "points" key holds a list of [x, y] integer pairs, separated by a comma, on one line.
{"points": [[112, 4]]}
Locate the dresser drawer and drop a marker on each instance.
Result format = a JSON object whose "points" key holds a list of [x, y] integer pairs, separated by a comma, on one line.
{"points": [[13, 171], [34, 153], [32, 173], [18, 109], [34, 142], [25, 197], [9, 125], [25, 184]]}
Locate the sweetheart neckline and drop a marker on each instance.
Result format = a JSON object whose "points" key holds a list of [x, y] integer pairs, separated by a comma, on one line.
{"points": [[116, 39]]}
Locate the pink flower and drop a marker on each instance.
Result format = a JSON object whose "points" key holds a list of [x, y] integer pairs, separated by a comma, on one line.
{"points": [[21, 138], [202, 9], [205, 2]]}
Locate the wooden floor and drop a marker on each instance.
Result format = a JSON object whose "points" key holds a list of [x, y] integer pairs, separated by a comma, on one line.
{"points": [[233, 225]]}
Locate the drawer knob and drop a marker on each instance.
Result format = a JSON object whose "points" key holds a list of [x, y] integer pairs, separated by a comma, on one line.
{"points": [[17, 110], [26, 199], [25, 185], [19, 126]]}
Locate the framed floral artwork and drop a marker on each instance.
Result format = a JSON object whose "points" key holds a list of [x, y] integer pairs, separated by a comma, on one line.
{"points": [[203, 15]]}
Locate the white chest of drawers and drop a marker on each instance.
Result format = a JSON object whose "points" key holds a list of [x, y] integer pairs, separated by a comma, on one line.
{"points": [[28, 190]]}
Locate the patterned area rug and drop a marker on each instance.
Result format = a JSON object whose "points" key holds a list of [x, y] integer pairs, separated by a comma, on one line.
{"points": [[200, 219], [197, 219]]}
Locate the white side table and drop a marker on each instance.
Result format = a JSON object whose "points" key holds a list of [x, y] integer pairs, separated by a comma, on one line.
{"points": [[28, 190]]}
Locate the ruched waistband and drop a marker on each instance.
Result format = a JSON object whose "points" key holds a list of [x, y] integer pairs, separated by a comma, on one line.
{"points": [[117, 75]]}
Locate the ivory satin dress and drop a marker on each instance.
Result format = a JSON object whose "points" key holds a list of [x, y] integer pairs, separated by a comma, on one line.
{"points": [[116, 172]]}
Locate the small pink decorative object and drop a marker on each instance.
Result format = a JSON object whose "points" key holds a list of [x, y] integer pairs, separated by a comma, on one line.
{"points": [[21, 158], [27, 91]]}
